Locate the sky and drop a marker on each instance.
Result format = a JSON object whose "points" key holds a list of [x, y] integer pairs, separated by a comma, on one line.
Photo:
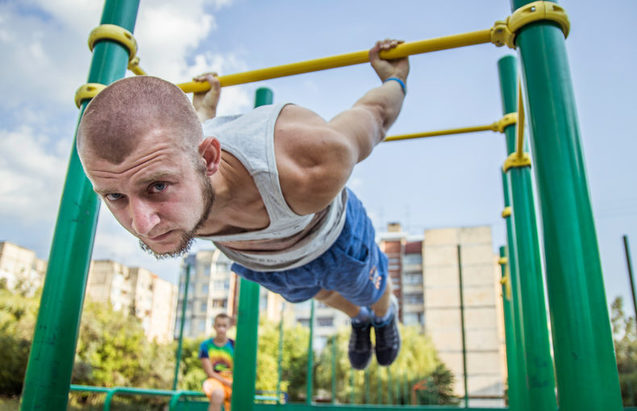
{"points": [[428, 183]]}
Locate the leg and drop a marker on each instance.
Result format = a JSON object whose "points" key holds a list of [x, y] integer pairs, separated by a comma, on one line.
{"points": [[381, 306], [216, 399], [337, 301]]}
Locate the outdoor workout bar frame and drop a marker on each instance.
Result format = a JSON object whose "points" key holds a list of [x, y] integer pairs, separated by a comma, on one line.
{"points": [[585, 365]]}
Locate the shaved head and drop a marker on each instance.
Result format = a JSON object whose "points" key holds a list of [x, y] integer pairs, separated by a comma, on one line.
{"points": [[123, 113]]}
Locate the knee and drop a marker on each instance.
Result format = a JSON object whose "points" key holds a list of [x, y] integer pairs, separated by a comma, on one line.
{"points": [[217, 396]]}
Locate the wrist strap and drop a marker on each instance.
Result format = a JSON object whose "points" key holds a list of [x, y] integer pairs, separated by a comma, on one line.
{"points": [[402, 83]]}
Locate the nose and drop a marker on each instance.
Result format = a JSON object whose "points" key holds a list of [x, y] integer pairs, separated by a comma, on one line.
{"points": [[143, 217]]}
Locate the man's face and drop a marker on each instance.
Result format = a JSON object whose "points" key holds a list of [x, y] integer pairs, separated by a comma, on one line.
{"points": [[156, 193], [221, 326]]}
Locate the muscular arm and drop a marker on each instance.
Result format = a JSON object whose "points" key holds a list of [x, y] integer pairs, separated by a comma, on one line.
{"points": [[315, 158]]}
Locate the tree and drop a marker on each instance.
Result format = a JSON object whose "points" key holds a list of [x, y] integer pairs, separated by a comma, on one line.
{"points": [[417, 360], [17, 321], [625, 338]]}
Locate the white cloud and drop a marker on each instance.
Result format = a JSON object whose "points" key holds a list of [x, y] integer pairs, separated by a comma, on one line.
{"points": [[32, 175]]}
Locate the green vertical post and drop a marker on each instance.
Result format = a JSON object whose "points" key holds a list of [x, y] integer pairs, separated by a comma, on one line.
{"points": [[379, 387], [280, 356], [245, 371], [513, 386], [184, 304], [351, 386], [48, 374], [367, 399], [462, 328], [585, 361], [390, 397], [333, 369], [629, 266], [540, 378], [310, 357]]}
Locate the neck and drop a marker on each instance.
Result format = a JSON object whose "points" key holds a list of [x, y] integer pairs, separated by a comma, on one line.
{"points": [[238, 204], [220, 339]]}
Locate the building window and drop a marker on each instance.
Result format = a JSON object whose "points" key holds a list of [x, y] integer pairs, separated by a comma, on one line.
{"points": [[203, 307], [219, 303], [413, 278], [221, 285], [413, 298], [305, 322], [325, 321], [204, 288], [412, 259]]}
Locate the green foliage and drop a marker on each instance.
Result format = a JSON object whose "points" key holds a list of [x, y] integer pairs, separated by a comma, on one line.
{"points": [[417, 360], [113, 351], [625, 337], [293, 361], [191, 375], [17, 321]]}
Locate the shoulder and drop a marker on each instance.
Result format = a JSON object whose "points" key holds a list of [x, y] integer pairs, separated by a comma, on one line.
{"points": [[313, 159], [230, 342], [205, 344]]}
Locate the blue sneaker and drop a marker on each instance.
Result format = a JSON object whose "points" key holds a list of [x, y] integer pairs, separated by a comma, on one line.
{"points": [[387, 337], [360, 346]]}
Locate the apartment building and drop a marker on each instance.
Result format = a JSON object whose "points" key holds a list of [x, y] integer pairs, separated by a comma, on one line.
{"points": [[20, 269], [457, 259], [137, 292], [212, 289]]}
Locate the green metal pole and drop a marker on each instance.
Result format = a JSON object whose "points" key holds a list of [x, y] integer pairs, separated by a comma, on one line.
{"points": [[390, 398], [48, 374], [351, 386], [518, 393], [333, 369], [540, 378], [629, 265], [367, 396], [513, 386], [184, 304], [462, 328], [586, 367], [280, 356], [379, 387], [310, 357], [245, 371]]}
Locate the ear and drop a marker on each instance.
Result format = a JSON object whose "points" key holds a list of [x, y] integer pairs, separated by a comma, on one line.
{"points": [[210, 151]]}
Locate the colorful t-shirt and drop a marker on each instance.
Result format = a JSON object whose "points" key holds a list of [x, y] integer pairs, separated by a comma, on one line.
{"points": [[221, 358]]}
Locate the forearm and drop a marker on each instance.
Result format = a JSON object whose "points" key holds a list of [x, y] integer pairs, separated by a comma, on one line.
{"points": [[384, 103]]}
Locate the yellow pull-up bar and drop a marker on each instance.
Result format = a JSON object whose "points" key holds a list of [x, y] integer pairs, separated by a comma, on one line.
{"points": [[500, 125], [342, 60]]}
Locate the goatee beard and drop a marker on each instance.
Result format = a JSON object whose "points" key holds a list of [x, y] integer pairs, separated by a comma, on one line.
{"points": [[188, 238]]}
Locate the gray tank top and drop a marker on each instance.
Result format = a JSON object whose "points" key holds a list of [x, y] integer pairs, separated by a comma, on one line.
{"points": [[250, 138]]}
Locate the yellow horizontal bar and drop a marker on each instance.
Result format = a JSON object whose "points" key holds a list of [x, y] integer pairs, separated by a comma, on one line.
{"points": [[342, 60], [461, 130]]}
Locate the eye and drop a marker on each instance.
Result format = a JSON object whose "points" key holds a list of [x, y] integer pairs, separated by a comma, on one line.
{"points": [[113, 196], [158, 187]]}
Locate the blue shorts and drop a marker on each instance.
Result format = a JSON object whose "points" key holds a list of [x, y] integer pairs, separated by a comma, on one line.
{"points": [[353, 266]]}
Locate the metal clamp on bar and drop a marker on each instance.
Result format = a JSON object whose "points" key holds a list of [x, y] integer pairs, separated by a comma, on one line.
{"points": [[506, 212], [506, 121], [87, 92], [123, 37], [516, 161], [502, 261], [504, 32], [115, 33]]}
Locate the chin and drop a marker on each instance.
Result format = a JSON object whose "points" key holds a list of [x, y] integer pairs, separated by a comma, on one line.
{"points": [[176, 248]]}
